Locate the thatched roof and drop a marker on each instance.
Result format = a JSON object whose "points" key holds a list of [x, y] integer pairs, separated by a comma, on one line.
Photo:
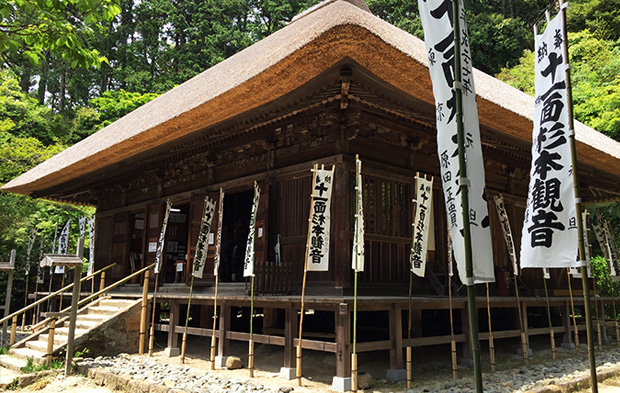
{"points": [[311, 44]]}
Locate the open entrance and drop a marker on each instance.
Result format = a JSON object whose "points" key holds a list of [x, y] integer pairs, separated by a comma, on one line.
{"points": [[235, 227], [136, 243], [175, 266]]}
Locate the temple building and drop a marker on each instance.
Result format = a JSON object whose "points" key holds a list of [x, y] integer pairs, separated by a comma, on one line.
{"points": [[335, 82]]}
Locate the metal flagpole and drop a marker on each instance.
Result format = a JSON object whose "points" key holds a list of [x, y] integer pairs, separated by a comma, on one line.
{"points": [[551, 332], [452, 341], [303, 286], [584, 276], [572, 306], [463, 185], [216, 267]]}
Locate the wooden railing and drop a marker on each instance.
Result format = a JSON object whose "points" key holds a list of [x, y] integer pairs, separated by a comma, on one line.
{"points": [[43, 299], [274, 279]]}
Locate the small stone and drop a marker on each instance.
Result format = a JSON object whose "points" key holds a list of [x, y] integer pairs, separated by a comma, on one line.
{"points": [[364, 380], [169, 383], [233, 363], [286, 389]]}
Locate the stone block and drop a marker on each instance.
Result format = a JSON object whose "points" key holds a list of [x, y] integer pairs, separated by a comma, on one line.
{"points": [[110, 381], [171, 351], [393, 376], [288, 373], [99, 377], [159, 389], [341, 384], [364, 381], [233, 363]]}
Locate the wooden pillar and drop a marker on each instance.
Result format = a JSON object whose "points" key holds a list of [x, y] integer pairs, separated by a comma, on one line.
{"points": [[222, 341], [290, 329], [396, 337], [343, 341], [206, 316], [342, 226], [173, 337], [466, 356]]}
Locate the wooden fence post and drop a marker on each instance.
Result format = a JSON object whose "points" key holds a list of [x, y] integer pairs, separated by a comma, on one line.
{"points": [[145, 302]]}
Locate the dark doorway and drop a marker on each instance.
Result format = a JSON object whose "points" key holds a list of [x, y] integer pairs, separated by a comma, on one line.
{"points": [[235, 228]]}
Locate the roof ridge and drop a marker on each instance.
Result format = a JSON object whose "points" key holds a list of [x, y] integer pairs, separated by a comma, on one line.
{"points": [[358, 3]]}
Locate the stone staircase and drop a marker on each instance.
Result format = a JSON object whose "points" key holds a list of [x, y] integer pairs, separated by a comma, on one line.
{"points": [[104, 326]]}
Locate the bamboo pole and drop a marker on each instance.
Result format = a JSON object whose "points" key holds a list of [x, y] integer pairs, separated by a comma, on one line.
{"points": [[572, 306], [62, 284], [464, 189], [25, 302], [13, 330], [491, 342], [216, 266], [599, 333], [409, 327], [526, 360], [152, 329], [354, 352], [50, 341], [303, 286], [613, 302], [143, 311], [189, 304], [36, 293], [251, 344], [102, 282], [452, 340], [577, 193], [49, 290], [551, 332], [356, 243]]}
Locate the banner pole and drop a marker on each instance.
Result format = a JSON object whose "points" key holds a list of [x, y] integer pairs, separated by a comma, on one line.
{"points": [[25, 302], [303, 285], [213, 339], [452, 341], [491, 342], [152, 329], [613, 302], [584, 275], [409, 324], [599, 333], [526, 360], [36, 293], [62, 285], [463, 186], [354, 353], [189, 304], [251, 349], [551, 332], [572, 306], [216, 273]]}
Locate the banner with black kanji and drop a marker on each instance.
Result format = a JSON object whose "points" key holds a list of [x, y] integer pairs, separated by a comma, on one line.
{"points": [[248, 263], [421, 225], [357, 254], [320, 220], [549, 237], [162, 237], [202, 245], [437, 21], [505, 224]]}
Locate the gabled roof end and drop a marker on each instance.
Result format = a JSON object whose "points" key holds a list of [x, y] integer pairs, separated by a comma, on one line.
{"points": [[358, 3]]}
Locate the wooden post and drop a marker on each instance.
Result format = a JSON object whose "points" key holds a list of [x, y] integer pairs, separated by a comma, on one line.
{"points": [[102, 282], [491, 343], [613, 302], [50, 341], [62, 285], [143, 312], [77, 272], [7, 300], [36, 292], [13, 330], [572, 306]]}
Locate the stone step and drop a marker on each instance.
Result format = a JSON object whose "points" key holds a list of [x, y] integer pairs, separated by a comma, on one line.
{"points": [[118, 303], [26, 353], [63, 332], [101, 310], [12, 363], [85, 324], [37, 345], [98, 318], [58, 339]]}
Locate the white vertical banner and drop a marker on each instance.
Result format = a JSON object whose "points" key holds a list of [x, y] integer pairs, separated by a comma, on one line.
{"points": [[549, 237], [437, 21], [202, 245], [82, 227], [505, 223], [91, 246], [357, 254], [162, 238], [31, 238], [218, 241], [320, 220], [63, 245], [421, 225], [604, 236], [248, 263]]}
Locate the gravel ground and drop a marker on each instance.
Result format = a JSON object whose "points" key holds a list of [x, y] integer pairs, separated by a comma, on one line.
{"points": [[190, 379]]}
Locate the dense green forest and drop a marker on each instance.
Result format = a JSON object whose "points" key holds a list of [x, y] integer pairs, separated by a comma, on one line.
{"points": [[70, 68]]}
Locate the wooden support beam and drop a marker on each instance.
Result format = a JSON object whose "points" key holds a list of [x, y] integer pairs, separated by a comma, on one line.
{"points": [[396, 337], [222, 341], [290, 328], [173, 337]]}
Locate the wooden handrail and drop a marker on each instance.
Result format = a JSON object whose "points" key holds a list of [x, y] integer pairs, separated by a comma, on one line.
{"points": [[96, 294], [53, 294]]}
